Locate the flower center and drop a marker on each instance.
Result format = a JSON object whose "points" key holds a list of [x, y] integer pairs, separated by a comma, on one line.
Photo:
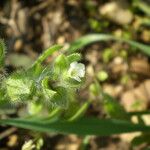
{"points": [[74, 73]]}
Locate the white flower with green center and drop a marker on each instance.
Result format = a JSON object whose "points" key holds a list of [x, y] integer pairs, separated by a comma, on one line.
{"points": [[76, 71]]}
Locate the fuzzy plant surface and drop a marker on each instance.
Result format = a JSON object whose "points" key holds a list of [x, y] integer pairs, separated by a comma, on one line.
{"points": [[43, 86], [48, 94]]}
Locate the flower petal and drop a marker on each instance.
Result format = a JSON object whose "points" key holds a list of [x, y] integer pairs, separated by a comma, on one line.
{"points": [[76, 71]]}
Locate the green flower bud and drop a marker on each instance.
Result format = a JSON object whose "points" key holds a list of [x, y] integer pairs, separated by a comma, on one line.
{"points": [[102, 75]]}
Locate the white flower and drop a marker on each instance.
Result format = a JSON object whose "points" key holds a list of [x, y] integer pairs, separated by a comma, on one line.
{"points": [[76, 71], [28, 145]]}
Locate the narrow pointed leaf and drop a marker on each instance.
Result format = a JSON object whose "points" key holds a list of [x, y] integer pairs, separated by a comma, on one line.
{"points": [[91, 38], [84, 126], [2, 52]]}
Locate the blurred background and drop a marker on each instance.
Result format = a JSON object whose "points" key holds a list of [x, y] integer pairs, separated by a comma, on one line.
{"points": [[30, 26]]}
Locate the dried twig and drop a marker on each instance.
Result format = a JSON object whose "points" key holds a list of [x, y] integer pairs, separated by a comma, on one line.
{"points": [[7, 132], [11, 21], [40, 7], [46, 35]]}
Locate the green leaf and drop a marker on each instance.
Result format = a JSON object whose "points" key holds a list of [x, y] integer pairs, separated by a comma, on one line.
{"points": [[141, 139], [139, 113], [80, 112], [48, 93], [113, 108], [61, 98], [34, 107], [91, 38], [74, 57], [143, 6], [72, 83], [84, 126], [56, 98], [60, 64], [2, 52], [19, 87]]}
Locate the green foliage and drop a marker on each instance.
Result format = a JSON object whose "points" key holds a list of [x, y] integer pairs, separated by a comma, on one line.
{"points": [[143, 6], [97, 25], [51, 90], [107, 55], [113, 108], [74, 57], [95, 89], [40, 86], [34, 107], [80, 112], [102, 75], [144, 138], [61, 63], [19, 87], [2, 52], [91, 38], [84, 126]]}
